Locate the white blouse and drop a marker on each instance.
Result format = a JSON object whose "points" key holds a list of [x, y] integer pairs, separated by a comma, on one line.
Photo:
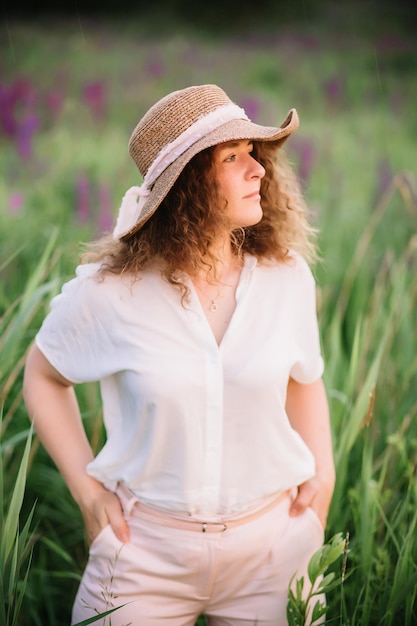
{"points": [[192, 427]]}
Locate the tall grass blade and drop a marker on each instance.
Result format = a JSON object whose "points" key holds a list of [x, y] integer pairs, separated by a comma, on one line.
{"points": [[16, 545], [11, 524], [13, 324], [91, 620]]}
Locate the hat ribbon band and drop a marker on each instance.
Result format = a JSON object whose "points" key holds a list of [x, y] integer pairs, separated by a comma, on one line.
{"points": [[130, 209]]}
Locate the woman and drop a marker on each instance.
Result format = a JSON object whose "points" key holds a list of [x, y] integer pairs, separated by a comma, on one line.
{"points": [[198, 318]]}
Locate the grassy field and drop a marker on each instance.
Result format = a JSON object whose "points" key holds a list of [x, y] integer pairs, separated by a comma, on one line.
{"points": [[70, 95]]}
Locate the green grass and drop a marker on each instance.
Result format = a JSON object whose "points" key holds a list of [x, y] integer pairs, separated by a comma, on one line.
{"points": [[355, 148]]}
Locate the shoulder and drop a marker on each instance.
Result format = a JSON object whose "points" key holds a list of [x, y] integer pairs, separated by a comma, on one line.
{"points": [[300, 267], [91, 294], [90, 283], [294, 268]]}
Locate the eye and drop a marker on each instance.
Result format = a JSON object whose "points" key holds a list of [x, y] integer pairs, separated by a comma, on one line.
{"points": [[230, 158]]}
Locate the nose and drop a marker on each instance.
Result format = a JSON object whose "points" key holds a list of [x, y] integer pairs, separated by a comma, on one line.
{"points": [[256, 169]]}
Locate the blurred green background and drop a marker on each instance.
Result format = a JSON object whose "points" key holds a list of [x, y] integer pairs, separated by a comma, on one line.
{"points": [[74, 81]]}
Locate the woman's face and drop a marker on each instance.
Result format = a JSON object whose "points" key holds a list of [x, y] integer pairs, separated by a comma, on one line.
{"points": [[238, 176]]}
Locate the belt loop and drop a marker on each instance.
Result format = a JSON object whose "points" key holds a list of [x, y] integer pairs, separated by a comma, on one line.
{"points": [[127, 498]]}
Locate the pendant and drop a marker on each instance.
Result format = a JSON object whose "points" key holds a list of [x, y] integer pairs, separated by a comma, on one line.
{"points": [[213, 306]]}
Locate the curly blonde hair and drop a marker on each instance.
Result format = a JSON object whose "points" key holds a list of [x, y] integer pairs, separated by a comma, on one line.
{"points": [[178, 236]]}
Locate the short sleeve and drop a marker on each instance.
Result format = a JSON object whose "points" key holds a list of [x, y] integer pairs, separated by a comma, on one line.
{"points": [[309, 365], [74, 335]]}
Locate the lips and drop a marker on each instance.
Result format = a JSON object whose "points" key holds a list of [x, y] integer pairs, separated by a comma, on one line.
{"points": [[253, 196]]}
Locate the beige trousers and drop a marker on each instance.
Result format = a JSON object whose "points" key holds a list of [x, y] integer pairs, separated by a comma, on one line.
{"points": [[168, 576]]}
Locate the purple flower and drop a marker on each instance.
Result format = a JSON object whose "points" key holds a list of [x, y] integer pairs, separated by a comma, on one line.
{"points": [[384, 178], [82, 188], [95, 97], [106, 219], [252, 107], [155, 69], [54, 100], [391, 42], [8, 121], [333, 89], [305, 155], [25, 131], [309, 42], [18, 119], [23, 92]]}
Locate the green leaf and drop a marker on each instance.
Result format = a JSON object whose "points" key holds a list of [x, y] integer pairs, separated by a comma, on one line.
{"points": [[11, 526], [295, 616], [16, 545], [91, 620], [299, 586], [334, 549], [52, 545], [318, 611], [314, 565], [325, 582]]}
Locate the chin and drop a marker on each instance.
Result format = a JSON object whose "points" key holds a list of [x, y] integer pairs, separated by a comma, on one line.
{"points": [[256, 219], [250, 219]]}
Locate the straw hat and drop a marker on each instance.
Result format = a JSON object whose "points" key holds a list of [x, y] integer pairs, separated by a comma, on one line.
{"points": [[172, 132]]}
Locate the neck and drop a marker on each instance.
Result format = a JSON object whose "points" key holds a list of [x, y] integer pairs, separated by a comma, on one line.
{"points": [[216, 286], [227, 264]]}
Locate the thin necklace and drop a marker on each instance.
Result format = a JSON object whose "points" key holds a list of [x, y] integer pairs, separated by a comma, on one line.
{"points": [[212, 307], [213, 301]]}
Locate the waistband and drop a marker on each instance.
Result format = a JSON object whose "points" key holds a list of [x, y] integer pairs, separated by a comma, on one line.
{"points": [[163, 518]]}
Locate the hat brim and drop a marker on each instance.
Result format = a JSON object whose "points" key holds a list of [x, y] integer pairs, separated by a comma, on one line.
{"points": [[230, 131]]}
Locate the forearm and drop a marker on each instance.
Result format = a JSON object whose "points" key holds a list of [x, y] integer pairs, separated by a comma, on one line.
{"points": [[308, 411], [52, 406]]}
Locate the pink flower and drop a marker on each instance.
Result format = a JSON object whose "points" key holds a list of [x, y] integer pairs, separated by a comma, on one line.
{"points": [[16, 201]]}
